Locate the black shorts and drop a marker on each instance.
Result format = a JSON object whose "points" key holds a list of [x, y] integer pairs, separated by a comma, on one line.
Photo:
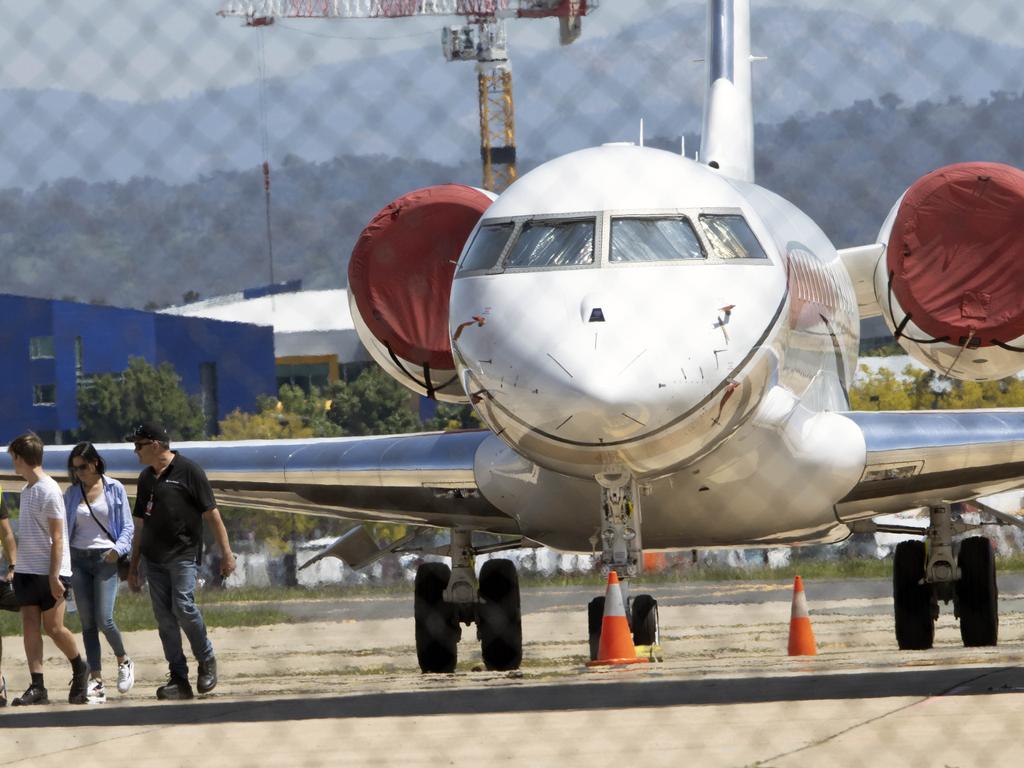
{"points": [[32, 589]]}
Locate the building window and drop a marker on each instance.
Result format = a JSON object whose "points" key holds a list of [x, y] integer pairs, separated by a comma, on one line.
{"points": [[208, 395], [44, 394], [305, 376], [40, 347]]}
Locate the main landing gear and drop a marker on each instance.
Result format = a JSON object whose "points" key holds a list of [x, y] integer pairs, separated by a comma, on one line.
{"points": [[925, 573], [622, 552], [446, 597]]}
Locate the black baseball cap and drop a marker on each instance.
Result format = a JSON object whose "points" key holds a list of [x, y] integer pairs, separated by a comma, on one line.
{"points": [[148, 431]]}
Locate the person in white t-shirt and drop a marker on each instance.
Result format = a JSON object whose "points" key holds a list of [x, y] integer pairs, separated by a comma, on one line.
{"points": [[100, 530], [43, 572]]}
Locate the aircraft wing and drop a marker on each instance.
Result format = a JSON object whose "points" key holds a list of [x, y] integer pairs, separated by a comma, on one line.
{"points": [[419, 479], [917, 458]]}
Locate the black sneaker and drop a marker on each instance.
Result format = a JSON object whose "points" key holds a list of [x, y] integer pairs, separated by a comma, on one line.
{"points": [[32, 695], [175, 689], [3, 691], [207, 679], [78, 693]]}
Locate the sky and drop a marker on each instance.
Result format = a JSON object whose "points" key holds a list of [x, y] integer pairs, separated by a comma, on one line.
{"points": [[149, 50]]}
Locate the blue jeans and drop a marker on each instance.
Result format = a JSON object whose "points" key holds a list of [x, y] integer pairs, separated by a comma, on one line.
{"points": [[95, 584], [172, 591]]}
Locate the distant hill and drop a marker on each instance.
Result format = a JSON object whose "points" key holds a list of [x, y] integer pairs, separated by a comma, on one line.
{"points": [[419, 106], [147, 242]]}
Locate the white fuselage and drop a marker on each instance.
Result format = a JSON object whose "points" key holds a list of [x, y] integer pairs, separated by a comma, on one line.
{"points": [[703, 378]]}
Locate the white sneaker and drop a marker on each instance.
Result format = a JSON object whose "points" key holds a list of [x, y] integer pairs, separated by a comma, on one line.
{"points": [[125, 675], [96, 693]]}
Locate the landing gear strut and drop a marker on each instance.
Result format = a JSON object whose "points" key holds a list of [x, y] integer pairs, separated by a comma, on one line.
{"points": [[621, 551], [446, 597]]}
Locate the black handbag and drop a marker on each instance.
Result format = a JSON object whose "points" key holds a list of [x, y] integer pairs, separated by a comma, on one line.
{"points": [[8, 602], [124, 562]]}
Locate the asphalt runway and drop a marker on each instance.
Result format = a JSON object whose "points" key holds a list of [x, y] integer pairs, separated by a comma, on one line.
{"points": [[339, 685]]}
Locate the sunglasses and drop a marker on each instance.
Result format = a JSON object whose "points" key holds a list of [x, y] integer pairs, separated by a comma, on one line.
{"points": [[80, 467], [140, 446]]}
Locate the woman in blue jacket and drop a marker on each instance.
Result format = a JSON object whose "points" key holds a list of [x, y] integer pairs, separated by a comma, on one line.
{"points": [[100, 530]]}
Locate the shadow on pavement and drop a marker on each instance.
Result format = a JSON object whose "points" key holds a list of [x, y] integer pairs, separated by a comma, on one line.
{"points": [[536, 698]]}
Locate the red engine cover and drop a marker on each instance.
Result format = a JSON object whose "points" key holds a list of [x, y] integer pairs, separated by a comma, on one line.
{"points": [[402, 268], [956, 253]]}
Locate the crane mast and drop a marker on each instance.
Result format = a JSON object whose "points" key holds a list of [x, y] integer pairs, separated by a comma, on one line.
{"points": [[482, 39]]}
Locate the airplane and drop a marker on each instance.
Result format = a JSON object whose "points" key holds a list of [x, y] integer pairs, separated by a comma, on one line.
{"points": [[661, 352]]}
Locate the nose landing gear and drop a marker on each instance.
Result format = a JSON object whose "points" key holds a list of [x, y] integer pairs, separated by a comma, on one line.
{"points": [[621, 551]]}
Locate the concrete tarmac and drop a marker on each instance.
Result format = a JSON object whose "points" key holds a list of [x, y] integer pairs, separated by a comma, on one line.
{"points": [[340, 685]]}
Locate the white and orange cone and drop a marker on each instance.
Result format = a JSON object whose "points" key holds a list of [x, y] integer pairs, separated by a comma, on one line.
{"points": [[616, 645], [801, 636]]}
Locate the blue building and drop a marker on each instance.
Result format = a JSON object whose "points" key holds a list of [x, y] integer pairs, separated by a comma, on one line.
{"points": [[47, 349]]}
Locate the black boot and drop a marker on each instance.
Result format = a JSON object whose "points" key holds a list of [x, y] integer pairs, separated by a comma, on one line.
{"points": [[175, 689], [207, 679], [79, 691]]}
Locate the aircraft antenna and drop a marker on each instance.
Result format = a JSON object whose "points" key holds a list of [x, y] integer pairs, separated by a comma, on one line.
{"points": [[481, 39]]}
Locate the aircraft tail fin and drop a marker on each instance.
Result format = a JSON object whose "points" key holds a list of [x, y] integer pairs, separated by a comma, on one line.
{"points": [[727, 138]]}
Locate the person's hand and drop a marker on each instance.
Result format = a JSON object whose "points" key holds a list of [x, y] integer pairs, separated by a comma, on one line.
{"points": [[227, 565], [134, 583], [56, 588], [110, 556]]}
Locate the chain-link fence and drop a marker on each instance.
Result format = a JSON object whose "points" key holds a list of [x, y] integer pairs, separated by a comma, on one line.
{"points": [[157, 154]]}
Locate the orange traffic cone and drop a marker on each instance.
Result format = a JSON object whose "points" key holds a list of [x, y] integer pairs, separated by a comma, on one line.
{"points": [[616, 640], [801, 636]]}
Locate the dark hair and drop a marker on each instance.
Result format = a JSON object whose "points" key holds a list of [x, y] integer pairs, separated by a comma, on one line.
{"points": [[27, 447], [88, 452]]}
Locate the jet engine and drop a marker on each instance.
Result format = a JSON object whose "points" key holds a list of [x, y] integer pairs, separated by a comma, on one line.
{"points": [[400, 280], [950, 282]]}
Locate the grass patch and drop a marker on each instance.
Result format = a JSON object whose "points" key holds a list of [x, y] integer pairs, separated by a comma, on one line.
{"points": [[134, 612], [240, 607]]}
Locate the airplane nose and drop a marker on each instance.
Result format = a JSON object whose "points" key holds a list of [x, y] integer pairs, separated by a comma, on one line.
{"points": [[600, 400], [600, 405]]}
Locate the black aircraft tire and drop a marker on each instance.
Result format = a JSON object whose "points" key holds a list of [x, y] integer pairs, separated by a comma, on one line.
{"points": [[977, 594], [499, 616], [645, 620], [437, 632], [595, 617], [915, 627]]}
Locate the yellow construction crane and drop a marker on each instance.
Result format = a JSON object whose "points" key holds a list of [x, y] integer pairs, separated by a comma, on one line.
{"points": [[482, 40]]}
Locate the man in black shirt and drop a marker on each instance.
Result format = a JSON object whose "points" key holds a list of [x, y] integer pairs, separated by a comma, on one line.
{"points": [[172, 501]]}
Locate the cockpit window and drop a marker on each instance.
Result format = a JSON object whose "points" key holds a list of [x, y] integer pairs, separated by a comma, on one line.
{"points": [[486, 247], [731, 237], [649, 239], [553, 244]]}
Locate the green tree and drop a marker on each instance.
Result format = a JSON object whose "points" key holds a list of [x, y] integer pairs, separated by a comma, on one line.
{"points": [[112, 405], [450, 417], [311, 409], [373, 404], [881, 391], [268, 424], [1005, 393]]}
